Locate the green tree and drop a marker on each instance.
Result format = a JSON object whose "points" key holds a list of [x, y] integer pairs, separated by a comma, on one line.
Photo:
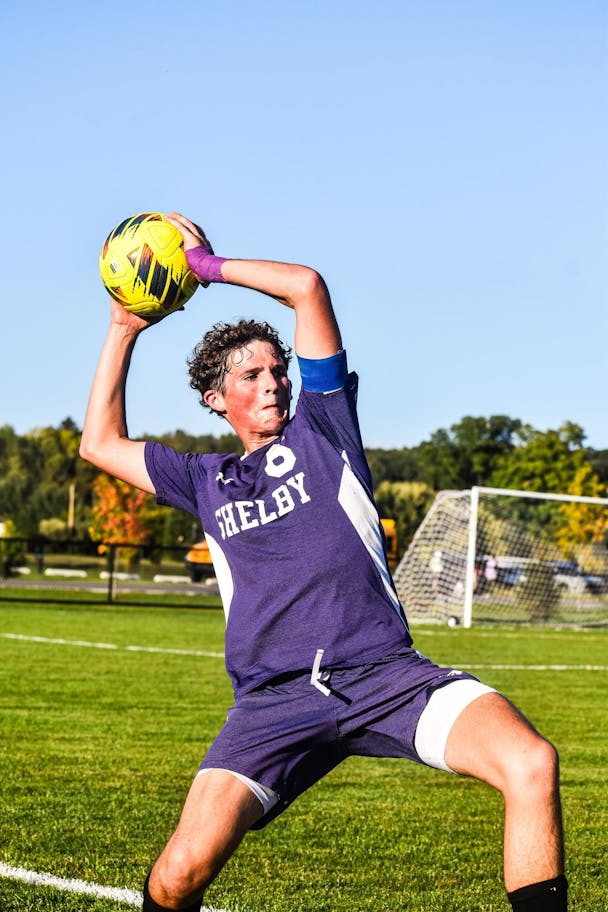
{"points": [[10, 551], [552, 461], [9, 449], [584, 526], [468, 453], [15, 492], [544, 461], [392, 464], [54, 529], [184, 442], [36, 472], [407, 502], [598, 460]]}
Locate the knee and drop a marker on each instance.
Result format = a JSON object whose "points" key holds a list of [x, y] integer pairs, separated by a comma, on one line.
{"points": [[179, 878], [532, 770]]}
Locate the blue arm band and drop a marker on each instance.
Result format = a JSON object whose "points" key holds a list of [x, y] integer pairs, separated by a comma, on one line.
{"points": [[323, 375]]}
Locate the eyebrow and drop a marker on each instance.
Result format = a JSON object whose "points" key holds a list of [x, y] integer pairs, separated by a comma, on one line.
{"points": [[247, 368]]}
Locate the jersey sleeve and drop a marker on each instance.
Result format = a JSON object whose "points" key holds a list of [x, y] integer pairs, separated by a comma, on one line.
{"points": [[334, 416], [323, 375], [172, 476]]}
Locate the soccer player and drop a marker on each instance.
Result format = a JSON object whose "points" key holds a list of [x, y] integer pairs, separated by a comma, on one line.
{"points": [[317, 646]]}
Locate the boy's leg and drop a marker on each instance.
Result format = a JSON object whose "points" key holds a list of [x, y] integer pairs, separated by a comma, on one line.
{"points": [[493, 742], [218, 812]]}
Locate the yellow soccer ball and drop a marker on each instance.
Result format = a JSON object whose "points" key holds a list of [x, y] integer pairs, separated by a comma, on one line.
{"points": [[143, 266]]}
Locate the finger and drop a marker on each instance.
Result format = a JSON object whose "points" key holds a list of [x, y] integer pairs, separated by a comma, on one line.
{"points": [[178, 217], [192, 238], [186, 228], [185, 223], [122, 317]]}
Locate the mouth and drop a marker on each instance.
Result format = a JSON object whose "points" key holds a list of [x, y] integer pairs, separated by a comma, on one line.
{"points": [[276, 413], [274, 406]]}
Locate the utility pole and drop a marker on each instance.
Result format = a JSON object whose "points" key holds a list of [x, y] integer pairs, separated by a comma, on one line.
{"points": [[71, 501]]}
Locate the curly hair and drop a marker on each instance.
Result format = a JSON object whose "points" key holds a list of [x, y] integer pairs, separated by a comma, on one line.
{"points": [[211, 358]]}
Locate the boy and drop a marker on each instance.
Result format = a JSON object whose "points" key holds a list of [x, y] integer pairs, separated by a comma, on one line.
{"points": [[317, 645]]}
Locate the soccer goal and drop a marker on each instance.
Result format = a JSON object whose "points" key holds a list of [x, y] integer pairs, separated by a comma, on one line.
{"points": [[498, 555]]}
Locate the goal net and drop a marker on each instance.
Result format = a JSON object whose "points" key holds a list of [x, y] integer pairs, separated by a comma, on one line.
{"points": [[497, 555]]}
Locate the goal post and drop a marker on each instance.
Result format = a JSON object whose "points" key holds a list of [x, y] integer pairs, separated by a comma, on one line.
{"points": [[502, 555]]}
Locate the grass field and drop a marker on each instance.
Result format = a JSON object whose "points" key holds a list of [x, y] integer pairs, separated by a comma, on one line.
{"points": [[99, 743]]}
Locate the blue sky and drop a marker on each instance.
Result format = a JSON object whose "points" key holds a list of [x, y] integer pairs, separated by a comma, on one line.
{"points": [[443, 164]]}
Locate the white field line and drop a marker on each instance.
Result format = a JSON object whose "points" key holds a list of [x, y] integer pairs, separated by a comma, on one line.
{"points": [[122, 895], [220, 655], [162, 649], [493, 667], [131, 898]]}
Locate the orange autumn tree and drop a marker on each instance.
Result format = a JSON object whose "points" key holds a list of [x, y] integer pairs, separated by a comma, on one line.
{"points": [[583, 535], [119, 515]]}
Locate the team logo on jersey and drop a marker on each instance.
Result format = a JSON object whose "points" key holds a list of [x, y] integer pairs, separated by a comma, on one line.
{"points": [[241, 515], [279, 460], [236, 516]]}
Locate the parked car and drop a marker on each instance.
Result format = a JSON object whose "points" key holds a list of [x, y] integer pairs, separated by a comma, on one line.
{"points": [[511, 571], [568, 575], [511, 576], [596, 582]]}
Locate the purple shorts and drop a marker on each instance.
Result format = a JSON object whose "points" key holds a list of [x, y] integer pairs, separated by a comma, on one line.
{"points": [[287, 735]]}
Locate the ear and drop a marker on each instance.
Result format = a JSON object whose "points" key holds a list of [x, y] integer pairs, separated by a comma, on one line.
{"points": [[215, 401]]}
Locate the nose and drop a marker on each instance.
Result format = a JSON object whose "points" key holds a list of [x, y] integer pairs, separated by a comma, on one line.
{"points": [[273, 383]]}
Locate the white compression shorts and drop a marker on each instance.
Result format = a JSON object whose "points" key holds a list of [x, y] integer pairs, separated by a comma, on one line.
{"points": [[438, 717], [266, 796]]}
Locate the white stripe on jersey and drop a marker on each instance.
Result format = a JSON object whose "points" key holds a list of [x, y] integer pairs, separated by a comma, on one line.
{"points": [[360, 510], [223, 573]]}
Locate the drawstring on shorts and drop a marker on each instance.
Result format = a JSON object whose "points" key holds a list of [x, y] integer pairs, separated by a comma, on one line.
{"points": [[319, 678]]}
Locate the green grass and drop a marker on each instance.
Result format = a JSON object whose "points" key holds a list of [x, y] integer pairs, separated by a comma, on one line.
{"points": [[125, 596], [580, 609], [98, 747]]}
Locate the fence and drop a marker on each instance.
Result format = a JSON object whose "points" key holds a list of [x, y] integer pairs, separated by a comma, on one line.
{"points": [[36, 569]]}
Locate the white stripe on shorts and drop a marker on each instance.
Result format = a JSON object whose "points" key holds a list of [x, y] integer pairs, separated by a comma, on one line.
{"points": [[438, 716], [266, 796]]}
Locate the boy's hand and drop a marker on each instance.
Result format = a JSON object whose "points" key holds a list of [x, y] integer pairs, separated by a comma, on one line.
{"points": [[193, 235], [199, 252], [121, 317]]}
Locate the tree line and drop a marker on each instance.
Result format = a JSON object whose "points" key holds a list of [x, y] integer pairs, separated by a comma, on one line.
{"points": [[48, 491]]}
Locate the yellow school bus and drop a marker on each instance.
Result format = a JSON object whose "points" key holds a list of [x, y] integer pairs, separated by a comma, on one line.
{"points": [[198, 562], [390, 533], [200, 566]]}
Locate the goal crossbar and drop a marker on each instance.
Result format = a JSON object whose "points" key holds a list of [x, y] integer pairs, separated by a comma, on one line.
{"points": [[569, 498]]}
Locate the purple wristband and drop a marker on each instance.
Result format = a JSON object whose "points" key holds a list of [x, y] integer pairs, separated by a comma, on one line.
{"points": [[205, 266]]}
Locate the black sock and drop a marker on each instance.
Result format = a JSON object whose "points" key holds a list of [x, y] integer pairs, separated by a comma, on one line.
{"points": [[150, 905], [545, 896]]}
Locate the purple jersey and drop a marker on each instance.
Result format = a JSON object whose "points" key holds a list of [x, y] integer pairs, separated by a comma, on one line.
{"points": [[296, 543]]}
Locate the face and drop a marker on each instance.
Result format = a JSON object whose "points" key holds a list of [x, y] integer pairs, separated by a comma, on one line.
{"points": [[256, 395]]}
